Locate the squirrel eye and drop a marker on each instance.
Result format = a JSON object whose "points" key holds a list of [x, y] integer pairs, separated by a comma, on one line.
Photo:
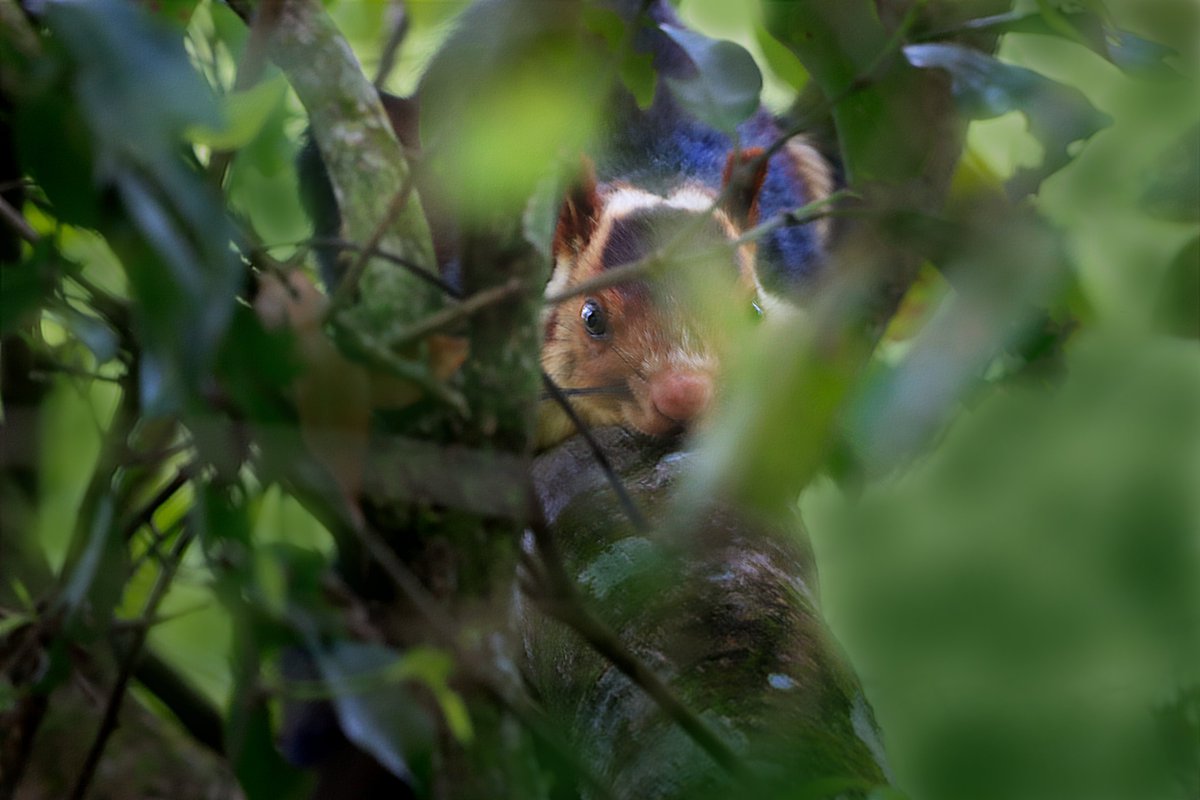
{"points": [[594, 319]]}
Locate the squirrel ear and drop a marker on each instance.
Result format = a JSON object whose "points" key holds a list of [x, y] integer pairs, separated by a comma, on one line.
{"points": [[745, 172], [580, 211]]}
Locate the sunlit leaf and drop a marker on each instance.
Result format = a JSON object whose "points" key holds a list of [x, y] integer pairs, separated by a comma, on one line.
{"points": [[245, 114]]}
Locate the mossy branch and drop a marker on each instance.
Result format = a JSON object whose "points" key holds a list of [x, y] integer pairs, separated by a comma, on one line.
{"points": [[365, 163]]}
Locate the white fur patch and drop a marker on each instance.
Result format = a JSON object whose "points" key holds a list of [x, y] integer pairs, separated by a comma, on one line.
{"points": [[625, 199]]}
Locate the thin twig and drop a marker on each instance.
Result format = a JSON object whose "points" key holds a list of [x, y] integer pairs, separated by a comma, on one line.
{"points": [[610, 277], [630, 508], [146, 514], [447, 317], [977, 25], [18, 183], [616, 390], [565, 604], [810, 212], [51, 370], [413, 267], [387, 59], [108, 723], [18, 222]]}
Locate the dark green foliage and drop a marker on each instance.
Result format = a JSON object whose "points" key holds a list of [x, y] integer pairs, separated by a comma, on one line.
{"points": [[987, 415]]}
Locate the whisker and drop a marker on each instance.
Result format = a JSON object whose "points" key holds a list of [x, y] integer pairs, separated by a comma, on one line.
{"points": [[616, 390], [633, 367]]}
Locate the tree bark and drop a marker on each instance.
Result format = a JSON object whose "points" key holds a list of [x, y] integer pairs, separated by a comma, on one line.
{"points": [[724, 611]]}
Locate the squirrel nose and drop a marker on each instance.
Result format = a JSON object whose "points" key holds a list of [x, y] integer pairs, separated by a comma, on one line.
{"points": [[681, 396]]}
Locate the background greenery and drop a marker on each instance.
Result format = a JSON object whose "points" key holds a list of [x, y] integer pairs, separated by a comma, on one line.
{"points": [[1010, 553]]}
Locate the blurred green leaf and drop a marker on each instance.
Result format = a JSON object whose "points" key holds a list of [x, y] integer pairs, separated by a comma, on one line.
{"points": [[638, 76], [1179, 298], [12, 621], [433, 668], [1179, 726], [1026, 588], [780, 60], [245, 113], [985, 87], [1172, 189], [97, 577], [725, 90], [1126, 50], [96, 334], [138, 93], [8, 695], [376, 711], [25, 286], [56, 148]]}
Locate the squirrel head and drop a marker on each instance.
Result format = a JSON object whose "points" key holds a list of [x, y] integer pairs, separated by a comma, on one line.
{"points": [[645, 353]]}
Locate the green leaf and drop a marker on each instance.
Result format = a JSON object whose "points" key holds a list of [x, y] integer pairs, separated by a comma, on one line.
{"points": [[606, 23], [434, 668], [245, 113], [725, 90], [985, 88], [780, 60]]}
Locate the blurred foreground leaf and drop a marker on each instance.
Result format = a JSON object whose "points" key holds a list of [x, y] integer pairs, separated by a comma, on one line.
{"points": [[726, 85], [137, 93], [985, 87], [1029, 589]]}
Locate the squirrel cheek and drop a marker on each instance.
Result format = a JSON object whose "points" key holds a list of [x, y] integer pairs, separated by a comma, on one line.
{"points": [[681, 396]]}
